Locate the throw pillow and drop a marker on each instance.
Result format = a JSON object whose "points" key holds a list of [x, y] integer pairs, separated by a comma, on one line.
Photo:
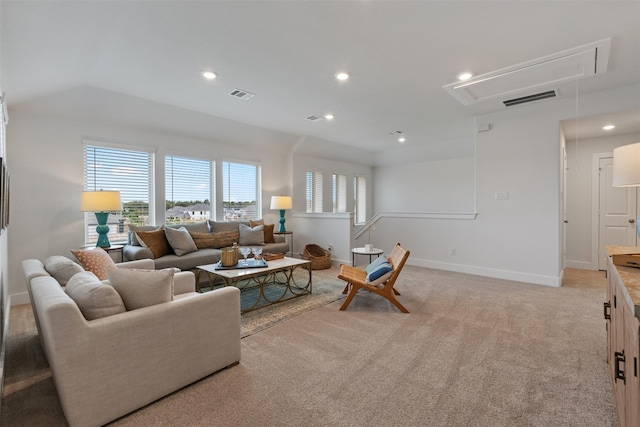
{"points": [[380, 279], [215, 240], [94, 298], [133, 229], [142, 288], [61, 268], [376, 262], [180, 241], [94, 260], [251, 235], [268, 230], [379, 271], [156, 241]]}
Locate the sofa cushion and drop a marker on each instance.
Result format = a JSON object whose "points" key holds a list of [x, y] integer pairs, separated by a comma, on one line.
{"points": [[94, 298], [268, 230], [180, 240], [220, 239], [196, 227], [156, 241], [61, 268], [95, 260], [142, 288], [251, 235]]}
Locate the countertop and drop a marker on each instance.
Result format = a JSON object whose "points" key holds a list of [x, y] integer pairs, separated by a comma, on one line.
{"points": [[630, 276]]}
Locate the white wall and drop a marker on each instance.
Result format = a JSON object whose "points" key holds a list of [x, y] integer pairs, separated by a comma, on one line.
{"points": [[580, 238], [519, 238]]}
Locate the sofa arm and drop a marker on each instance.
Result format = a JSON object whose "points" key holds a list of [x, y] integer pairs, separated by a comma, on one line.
{"points": [[131, 253], [142, 264], [134, 358], [184, 282]]}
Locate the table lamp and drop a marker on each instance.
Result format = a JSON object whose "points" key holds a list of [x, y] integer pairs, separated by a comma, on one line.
{"points": [[101, 202], [281, 203]]}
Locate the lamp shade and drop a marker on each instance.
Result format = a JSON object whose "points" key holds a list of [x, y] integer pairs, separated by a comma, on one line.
{"points": [[100, 201], [626, 166], [281, 202]]}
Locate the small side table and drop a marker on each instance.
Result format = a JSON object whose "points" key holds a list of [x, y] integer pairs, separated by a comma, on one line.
{"points": [[112, 248], [285, 234], [364, 251]]}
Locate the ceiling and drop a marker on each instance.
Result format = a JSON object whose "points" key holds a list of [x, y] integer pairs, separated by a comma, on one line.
{"points": [[399, 54]]}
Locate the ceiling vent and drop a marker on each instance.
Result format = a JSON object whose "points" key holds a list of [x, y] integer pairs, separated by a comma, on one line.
{"points": [[540, 74], [530, 98], [314, 118], [242, 94]]}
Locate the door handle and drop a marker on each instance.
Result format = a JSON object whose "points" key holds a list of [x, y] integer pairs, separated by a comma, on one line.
{"points": [[631, 220]]}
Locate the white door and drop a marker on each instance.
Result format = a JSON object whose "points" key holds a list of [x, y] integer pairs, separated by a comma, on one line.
{"points": [[617, 213]]}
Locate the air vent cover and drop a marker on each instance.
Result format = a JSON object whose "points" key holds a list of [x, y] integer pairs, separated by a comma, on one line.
{"points": [[314, 118], [530, 98], [540, 74], [242, 94]]}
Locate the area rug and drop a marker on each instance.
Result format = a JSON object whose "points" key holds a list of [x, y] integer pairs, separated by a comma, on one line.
{"points": [[325, 290]]}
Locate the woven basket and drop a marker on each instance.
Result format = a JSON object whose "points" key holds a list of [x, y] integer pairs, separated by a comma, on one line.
{"points": [[320, 258]]}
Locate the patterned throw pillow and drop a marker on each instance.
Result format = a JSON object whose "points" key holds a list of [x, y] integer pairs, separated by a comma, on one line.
{"points": [[156, 241], [374, 276], [217, 240], [94, 260], [268, 230]]}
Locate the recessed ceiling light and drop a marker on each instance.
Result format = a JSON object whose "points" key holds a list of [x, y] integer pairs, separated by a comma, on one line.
{"points": [[401, 139], [209, 75], [342, 76], [465, 76], [608, 127], [329, 116]]}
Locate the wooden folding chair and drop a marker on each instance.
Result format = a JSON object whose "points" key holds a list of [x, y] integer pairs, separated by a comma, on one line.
{"points": [[356, 278]]}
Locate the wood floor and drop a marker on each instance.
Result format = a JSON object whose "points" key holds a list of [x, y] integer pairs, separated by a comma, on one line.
{"points": [[575, 278]]}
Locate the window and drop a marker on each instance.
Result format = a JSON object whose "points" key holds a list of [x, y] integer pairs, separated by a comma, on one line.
{"points": [[187, 189], [127, 171], [241, 191], [314, 192], [360, 191], [339, 193]]}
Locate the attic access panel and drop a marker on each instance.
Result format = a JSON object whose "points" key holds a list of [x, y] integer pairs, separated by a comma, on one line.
{"points": [[546, 72]]}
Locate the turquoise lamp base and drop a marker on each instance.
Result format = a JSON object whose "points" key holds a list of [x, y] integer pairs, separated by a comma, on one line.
{"points": [[102, 229], [282, 229]]}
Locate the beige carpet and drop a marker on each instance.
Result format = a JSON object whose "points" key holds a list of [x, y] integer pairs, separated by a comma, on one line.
{"points": [[472, 352]]}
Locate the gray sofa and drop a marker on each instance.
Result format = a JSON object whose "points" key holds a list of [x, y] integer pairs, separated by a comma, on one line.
{"points": [[107, 367], [133, 250]]}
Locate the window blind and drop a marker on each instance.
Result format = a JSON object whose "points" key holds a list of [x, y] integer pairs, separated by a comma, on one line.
{"points": [[188, 189], [241, 191], [127, 171], [314, 191], [360, 184], [339, 193]]}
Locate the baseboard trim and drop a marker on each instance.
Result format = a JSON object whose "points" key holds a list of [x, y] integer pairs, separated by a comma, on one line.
{"points": [[19, 299], [581, 265], [516, 276]]}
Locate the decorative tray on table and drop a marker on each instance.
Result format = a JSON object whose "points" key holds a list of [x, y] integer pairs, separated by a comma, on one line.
{"points": [[251, 263]]}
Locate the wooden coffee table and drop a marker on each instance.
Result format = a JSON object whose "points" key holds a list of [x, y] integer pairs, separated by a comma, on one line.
{"points": [[278, 273]]}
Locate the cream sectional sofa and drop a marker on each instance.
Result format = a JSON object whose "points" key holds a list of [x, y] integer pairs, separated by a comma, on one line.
{"points": [[133, 250], [107, 367]]}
